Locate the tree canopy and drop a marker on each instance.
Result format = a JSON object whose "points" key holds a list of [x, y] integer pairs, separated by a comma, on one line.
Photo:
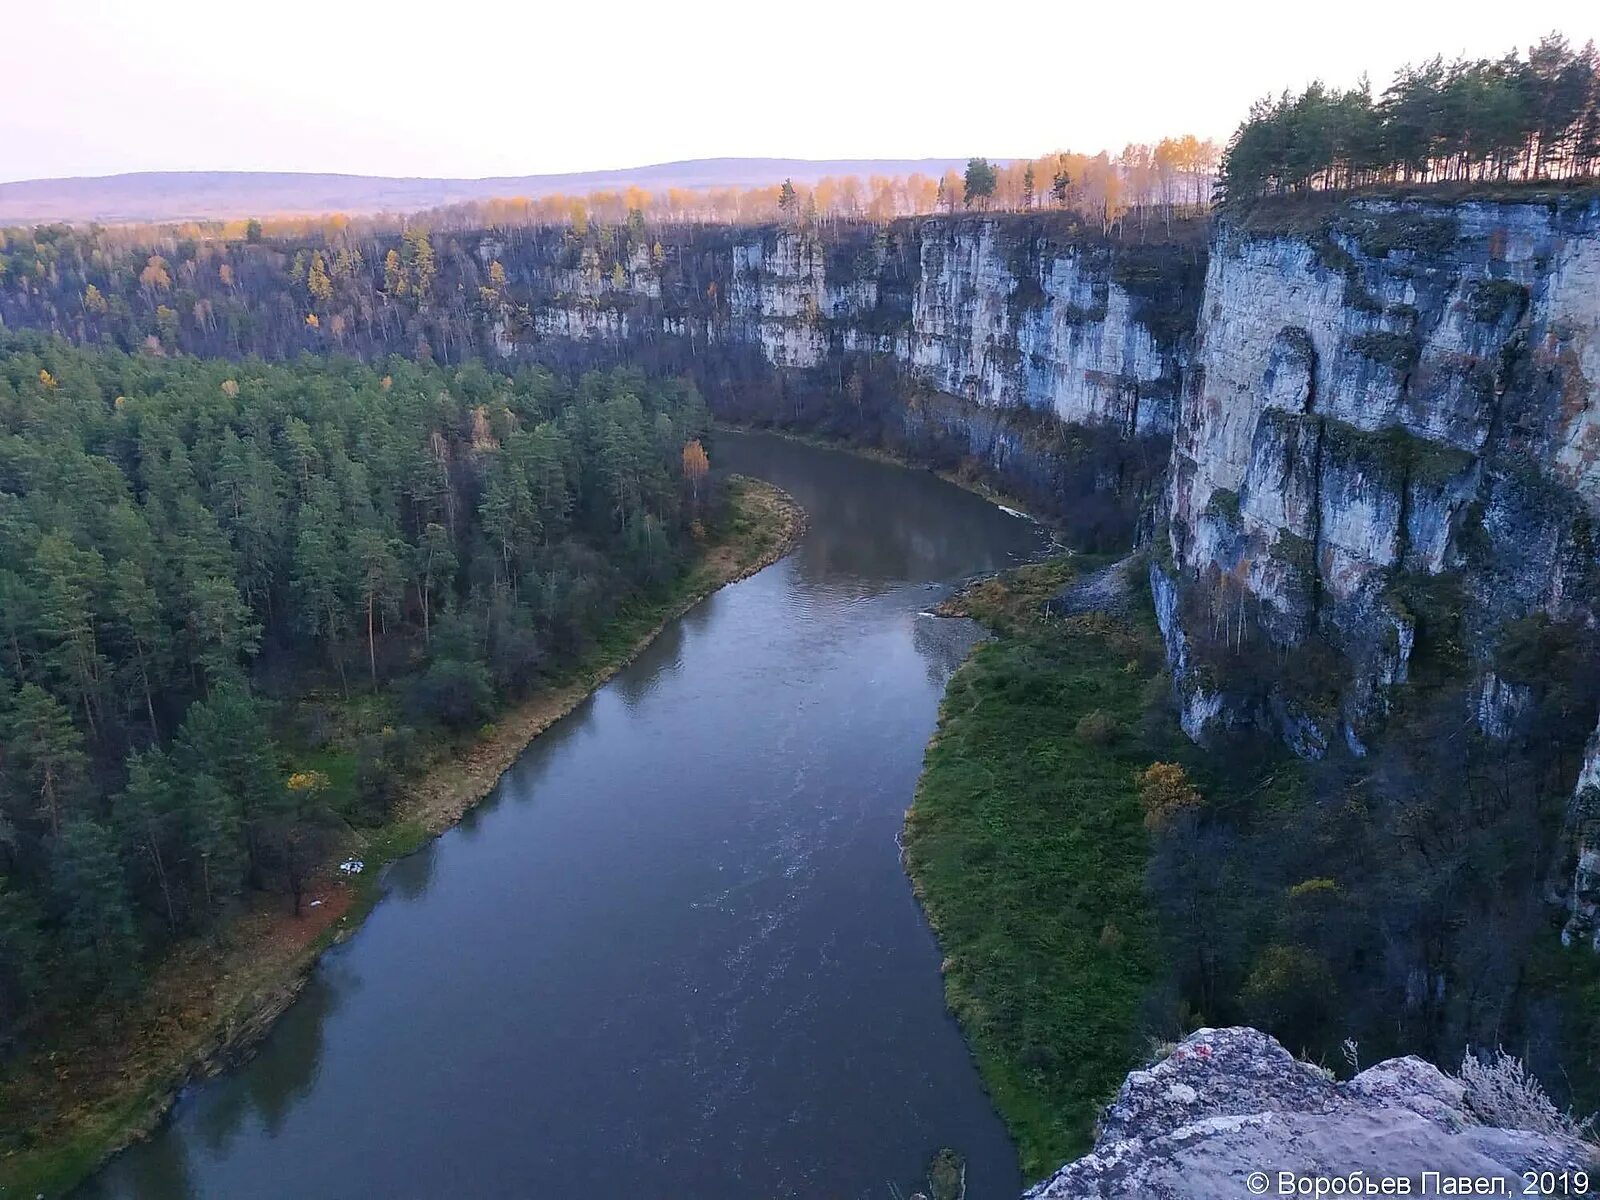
{"points": [[979, 182], [1533, 117], [203, 564]]}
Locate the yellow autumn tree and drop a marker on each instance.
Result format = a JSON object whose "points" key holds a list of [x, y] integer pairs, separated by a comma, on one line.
{"points": [[420, 262], [154, 277], [695, 466], [317, 281], [395, 283], [1165, 793]]}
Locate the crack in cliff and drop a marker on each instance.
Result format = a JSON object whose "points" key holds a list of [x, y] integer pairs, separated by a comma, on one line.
{"points": [[1316, 520], [1309, 409]]}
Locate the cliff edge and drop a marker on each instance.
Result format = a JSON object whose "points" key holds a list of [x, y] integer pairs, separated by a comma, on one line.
{"points": [[1230, 1106]]}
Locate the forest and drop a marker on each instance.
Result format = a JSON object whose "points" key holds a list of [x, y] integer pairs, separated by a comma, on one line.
{"points": [[1173, 174], [1474, 121], [208, 567], [455, 282]]}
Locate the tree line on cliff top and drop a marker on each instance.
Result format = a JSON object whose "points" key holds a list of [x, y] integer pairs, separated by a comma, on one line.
{"points": [[232, 595], [1171, 177], [1512, 119]]}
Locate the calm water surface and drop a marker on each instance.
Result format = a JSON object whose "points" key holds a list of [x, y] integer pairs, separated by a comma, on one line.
{"points": [[674, 953]]}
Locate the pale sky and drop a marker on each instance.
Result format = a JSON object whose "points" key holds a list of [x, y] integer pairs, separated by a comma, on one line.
{"points": [[483, 87]]}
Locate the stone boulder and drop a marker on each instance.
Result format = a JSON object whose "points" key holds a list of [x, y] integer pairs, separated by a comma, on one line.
{"points": [[1230, 1103]]}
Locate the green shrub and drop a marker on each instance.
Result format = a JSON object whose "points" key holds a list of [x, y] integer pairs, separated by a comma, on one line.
{"points": [[1397, 351], [1492, 299], [1097, 729]]}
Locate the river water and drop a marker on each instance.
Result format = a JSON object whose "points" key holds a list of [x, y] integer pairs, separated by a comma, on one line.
{"points": [[674, 953]]}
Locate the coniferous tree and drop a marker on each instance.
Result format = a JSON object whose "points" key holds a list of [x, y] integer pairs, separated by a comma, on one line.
{"points": [[1488, 120], [194, 549]]}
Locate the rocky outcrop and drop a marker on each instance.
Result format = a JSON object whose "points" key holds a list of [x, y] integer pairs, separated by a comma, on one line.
{"points": [[1229, 1107], [1583, 824], [1402, 403]]}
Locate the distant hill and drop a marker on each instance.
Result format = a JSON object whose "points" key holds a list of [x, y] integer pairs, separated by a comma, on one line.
{"points": [[184, 195]]}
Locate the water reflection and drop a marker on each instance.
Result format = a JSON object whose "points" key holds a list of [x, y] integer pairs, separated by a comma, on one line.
{"points": [[253, 1102], [410, 877], [873, 525], [674, 953], [662, 655]]}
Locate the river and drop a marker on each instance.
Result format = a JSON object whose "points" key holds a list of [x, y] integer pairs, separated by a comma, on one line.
{"points": [[673, 954]]}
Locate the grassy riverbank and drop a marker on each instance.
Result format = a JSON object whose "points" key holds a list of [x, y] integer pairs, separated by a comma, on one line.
{"points": [[1027, 848], [105, 1077]]}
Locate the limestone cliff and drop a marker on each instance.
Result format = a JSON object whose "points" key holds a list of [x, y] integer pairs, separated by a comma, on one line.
{"points": [[1400, 402], [1583, 896], [1009, 319], [1382, 415], [1229, 1104], [1049, 356], [1031, 349], [1007, 313]]}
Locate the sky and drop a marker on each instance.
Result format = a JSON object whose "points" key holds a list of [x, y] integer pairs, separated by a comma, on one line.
{"points": [[476, 87]]}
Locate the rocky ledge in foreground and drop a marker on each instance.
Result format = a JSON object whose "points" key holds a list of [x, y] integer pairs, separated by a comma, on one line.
{"points": [[1227, 1103]]}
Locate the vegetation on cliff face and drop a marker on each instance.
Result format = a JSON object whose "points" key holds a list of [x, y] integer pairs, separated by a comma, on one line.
{"points": [[1395, 899], [239, 601], [1398, 890], [671, 299], [1027, 846], [1096, 879]]}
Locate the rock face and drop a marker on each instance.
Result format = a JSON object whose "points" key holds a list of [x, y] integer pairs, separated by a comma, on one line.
{"points": [[1230, 1102], [1007, 314], [1025, 347], [1410, 394], [1035, 324], [1049, 357], [1583, 898]]}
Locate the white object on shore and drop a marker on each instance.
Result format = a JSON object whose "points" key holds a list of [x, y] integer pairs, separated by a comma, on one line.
{"points": [[352, 866]]}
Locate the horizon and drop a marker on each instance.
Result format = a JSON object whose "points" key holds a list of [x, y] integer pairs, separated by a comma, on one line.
{"points": [[754, 159], [231, 90]]}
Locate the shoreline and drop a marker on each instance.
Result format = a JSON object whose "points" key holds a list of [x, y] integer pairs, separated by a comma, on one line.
{"points": [[440, 798], [1024, 817], [1013, 505], [265, 958]]}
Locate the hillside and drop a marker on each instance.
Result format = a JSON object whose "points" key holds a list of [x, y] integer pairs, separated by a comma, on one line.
{"points": [[184, 195]]}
